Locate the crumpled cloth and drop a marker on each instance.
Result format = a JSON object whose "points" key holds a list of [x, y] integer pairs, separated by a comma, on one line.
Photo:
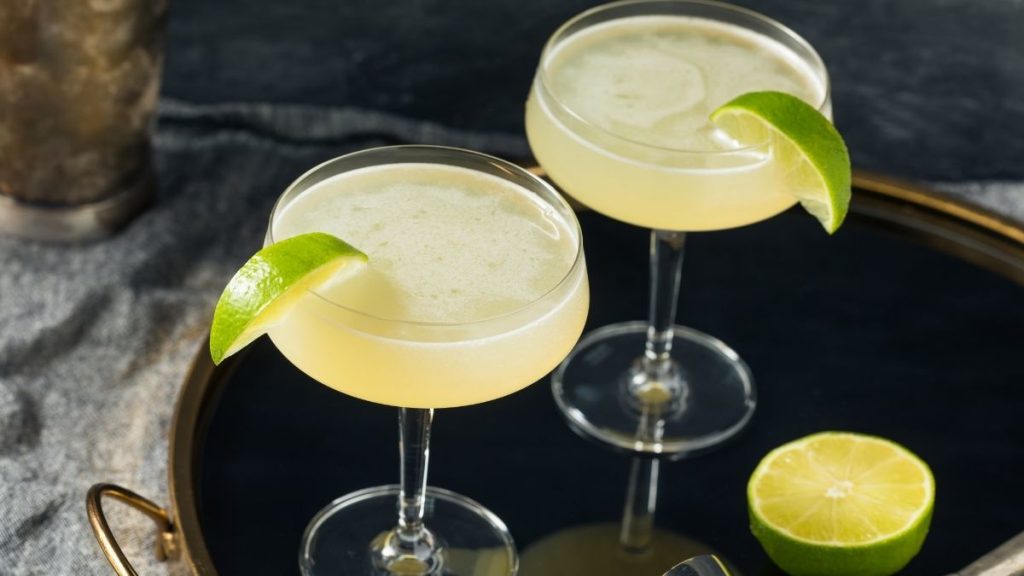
{"points": [[96, 339], [1000, 197]]}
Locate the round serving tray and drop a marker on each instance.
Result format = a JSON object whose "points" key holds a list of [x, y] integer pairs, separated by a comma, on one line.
{"points": [[906, 324]]}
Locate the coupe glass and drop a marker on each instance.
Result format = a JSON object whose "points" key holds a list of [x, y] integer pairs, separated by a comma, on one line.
{"points": [[419, 365], [656, 388]]}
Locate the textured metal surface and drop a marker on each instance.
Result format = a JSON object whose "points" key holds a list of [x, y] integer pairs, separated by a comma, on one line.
{"points": [[78, 91], [76, 223]]}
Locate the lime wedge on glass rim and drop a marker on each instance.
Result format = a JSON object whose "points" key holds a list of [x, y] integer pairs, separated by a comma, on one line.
{"points": [[841, 504], [812, 154], [270, 283]]}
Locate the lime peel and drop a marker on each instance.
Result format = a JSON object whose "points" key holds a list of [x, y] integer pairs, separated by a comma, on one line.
{"points": [[815, 160], [793, 469], [270, 283]]}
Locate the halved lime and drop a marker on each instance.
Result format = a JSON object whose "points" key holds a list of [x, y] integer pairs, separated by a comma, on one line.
{"points": [[812, 154], [269, 284], [841, 504]]}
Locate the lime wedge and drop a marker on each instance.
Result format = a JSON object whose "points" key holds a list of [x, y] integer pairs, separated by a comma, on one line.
{"points": [[813, 156], [841, 504], [269, 284]]}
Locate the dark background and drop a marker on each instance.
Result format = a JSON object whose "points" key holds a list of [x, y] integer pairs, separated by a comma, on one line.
{"points": [[924, 89]]}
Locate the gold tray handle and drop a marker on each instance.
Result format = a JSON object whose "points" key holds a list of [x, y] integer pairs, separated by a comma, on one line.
{"points": [[166, 545]]}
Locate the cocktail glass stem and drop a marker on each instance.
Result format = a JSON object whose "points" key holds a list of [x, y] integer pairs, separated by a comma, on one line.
{"points": [[655, 386], [414, 450], [410, 548], [656, 377]]}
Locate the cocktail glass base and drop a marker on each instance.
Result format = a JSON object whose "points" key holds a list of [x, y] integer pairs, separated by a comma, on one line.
{"points": [[711, 398], [342, 539]]}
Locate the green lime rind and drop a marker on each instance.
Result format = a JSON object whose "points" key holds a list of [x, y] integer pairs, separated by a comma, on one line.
{"points": [[816, 139], [251, 301], [801, 557]]}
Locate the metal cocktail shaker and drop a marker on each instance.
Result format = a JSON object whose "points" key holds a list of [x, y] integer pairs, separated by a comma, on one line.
{"points": [[78, 90]]}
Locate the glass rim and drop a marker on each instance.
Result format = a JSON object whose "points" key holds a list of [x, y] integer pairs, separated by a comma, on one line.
{"points": [[560, 205], [557, 37]]}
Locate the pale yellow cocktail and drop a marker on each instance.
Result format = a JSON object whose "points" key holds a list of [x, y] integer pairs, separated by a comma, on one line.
{"points": [[421, 277], [472, 292], [618, 116]]}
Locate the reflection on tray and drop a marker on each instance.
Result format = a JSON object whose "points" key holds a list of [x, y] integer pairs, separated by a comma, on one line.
{"points": [[594, 550]]}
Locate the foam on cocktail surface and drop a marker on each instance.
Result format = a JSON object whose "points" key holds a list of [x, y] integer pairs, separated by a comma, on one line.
{"points": [[445, 244], [656, 79]]}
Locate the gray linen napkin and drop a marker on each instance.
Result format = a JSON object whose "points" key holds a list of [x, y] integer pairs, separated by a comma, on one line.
{"points": [[95, 339], [1001, 197]]}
